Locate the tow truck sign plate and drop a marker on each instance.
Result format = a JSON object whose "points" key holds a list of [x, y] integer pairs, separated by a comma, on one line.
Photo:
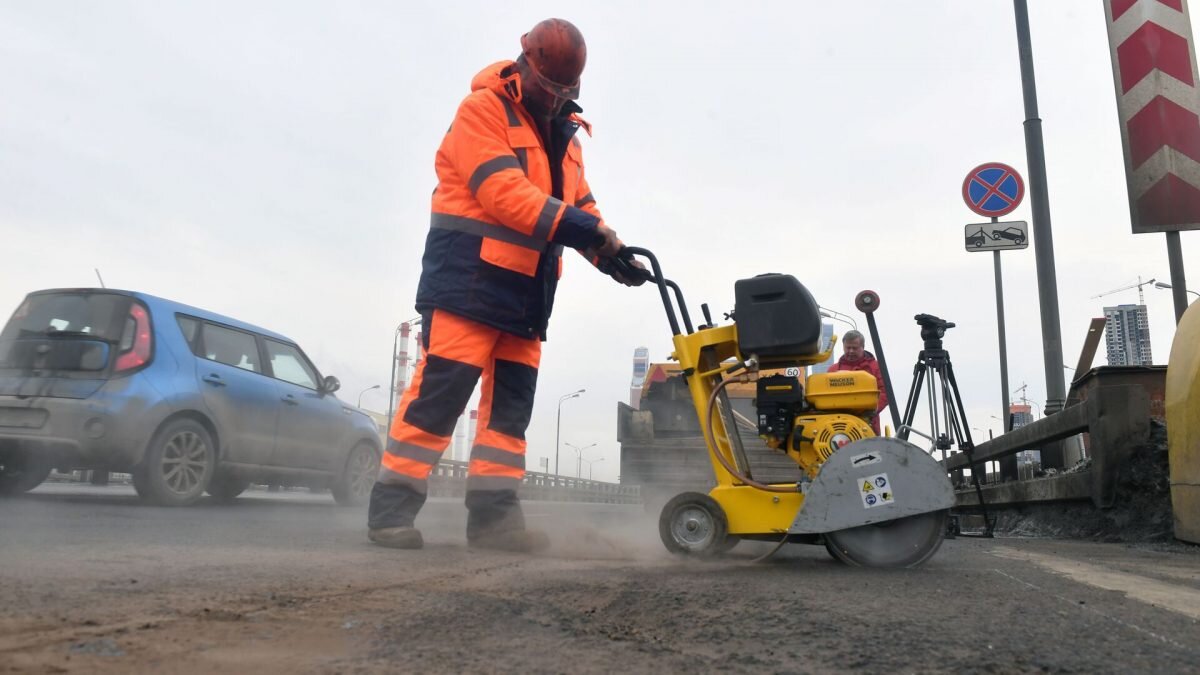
{"points": [[1002, 236]]}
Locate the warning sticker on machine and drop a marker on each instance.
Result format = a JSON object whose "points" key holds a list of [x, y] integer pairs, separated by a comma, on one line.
{"points": [[876, 491]]}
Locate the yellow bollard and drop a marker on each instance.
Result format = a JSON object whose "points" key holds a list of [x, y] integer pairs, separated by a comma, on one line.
{"points": [[1183, 425]]}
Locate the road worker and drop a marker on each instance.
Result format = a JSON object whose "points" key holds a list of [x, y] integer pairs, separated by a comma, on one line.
{"points": [[512, 194], [856, 357]]}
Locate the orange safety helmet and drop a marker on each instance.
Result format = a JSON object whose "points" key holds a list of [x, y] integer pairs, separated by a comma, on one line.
{"points": [[556, 54]]}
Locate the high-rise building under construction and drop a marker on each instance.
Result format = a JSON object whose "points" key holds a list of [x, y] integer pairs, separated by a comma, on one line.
{"points": [[1127, 335]]}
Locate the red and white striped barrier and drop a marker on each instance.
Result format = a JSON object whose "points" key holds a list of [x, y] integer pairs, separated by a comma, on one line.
{"points": [[1154, 70]]}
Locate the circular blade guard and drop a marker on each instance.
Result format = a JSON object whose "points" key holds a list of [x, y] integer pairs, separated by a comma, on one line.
{"points": [[879, 502]]}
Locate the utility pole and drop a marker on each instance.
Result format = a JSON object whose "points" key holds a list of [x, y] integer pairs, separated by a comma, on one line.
{"points": [[1043, 240]]}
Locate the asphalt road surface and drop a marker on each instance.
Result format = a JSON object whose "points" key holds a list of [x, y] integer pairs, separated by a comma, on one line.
{"points": [[93, 582]]}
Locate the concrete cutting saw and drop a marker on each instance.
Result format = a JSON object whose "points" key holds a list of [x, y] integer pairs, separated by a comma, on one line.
{"points": [[872, 501]]}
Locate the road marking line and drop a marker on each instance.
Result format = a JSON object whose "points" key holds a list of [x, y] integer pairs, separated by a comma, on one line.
{"points": [[1172, 597], [1089, 608]]}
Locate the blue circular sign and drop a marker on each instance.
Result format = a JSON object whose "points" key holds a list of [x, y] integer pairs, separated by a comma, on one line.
{"points": [[993, 189]]}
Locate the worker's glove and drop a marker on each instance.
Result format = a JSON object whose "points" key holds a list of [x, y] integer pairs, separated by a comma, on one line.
{"points": [[631, 279], [624, 270], [607, 244]]}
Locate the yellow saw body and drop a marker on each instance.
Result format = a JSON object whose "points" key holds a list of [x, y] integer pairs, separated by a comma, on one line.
{"points": [[872, 501]]}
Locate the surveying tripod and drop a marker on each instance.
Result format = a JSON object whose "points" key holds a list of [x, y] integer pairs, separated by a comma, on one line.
{"points": [[948, 426]]}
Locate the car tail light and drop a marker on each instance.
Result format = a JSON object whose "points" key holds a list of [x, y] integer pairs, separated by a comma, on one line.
{"points": [[138, 354]]}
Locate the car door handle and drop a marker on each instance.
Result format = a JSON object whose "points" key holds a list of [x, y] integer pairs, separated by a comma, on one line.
{"points": [[290, 400], [214, 379]]}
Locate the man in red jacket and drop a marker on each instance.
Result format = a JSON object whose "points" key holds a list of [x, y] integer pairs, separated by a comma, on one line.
{"points": [[856, 357]]}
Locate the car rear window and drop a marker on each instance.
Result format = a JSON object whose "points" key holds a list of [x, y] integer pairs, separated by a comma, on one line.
{"points": [[101, 315], [73, 331]]}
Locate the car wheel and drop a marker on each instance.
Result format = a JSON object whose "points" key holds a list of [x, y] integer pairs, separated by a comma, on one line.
{"points": [[20, 472], [225, 487], [178, 466], [353, 487]]}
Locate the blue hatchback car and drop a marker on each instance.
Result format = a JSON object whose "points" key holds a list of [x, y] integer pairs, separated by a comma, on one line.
{"points": [[188, 401]]}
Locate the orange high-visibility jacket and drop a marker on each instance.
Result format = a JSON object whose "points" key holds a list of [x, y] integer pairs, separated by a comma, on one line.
{"points": [[506, 204]]}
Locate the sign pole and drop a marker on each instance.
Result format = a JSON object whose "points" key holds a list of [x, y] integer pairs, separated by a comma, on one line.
{"points": [[1178, 285], [1003, 341], [1043, 249], [1006, 418]]}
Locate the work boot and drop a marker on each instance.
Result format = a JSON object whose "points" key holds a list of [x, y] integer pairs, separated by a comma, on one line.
{"points": [[396, 537], [512, 541], [391, 514], [495, 521]]}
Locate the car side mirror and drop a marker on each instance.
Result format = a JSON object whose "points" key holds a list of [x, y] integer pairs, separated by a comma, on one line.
{"points": [[330, 384]]}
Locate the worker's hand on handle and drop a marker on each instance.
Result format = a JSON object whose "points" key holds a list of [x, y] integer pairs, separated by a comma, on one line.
{"points": [[608, 247], [623, 268], [607, 244], [631, 279]]}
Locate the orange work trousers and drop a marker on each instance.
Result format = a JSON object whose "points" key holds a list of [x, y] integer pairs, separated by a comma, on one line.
{"points": [[458, 352]]}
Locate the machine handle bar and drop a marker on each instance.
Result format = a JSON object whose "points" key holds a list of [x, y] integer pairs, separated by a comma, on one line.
{"points": [[622, 262]]}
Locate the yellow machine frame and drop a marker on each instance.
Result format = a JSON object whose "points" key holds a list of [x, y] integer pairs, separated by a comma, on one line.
{"points": [[748, 509]]}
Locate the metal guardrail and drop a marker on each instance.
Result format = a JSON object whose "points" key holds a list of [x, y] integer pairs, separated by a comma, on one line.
{"points": [[1117, 418], [449, 479]]}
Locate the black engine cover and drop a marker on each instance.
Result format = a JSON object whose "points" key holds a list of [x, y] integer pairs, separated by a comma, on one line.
{"points": [[776, 317]]}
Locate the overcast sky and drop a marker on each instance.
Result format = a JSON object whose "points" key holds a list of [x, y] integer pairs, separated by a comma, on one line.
{"points": [[273, 161]]}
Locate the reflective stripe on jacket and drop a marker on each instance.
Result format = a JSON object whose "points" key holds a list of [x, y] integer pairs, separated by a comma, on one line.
{"points": [[498, 223]]}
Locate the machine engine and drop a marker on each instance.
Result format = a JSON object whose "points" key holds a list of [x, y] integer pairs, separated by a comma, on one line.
{"points": [[779, 400], [817, 437], [811, 425]]}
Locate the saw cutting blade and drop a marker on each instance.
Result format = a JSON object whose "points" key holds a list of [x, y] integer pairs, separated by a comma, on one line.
{"points": [[905, 542]]}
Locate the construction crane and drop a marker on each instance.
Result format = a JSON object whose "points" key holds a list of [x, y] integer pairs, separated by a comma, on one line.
{"points": [[1138, 286]]}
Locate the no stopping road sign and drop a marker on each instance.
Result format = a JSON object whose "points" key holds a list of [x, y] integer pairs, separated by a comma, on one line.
{"points": [[993, 189]]}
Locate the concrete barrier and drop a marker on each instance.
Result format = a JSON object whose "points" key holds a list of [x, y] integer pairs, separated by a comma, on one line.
{"points": [[1118, 420]]}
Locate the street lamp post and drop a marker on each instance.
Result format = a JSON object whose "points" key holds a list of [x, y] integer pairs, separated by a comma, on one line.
{"points": [[360, 394], [1163, 284], [558, 425], [1039, 408], [591, 463], [579, 458]]}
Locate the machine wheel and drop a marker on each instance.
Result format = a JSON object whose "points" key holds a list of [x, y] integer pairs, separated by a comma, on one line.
{"points": [[20, 472], [225, 487], [178, 466], [726, 546], [904, 542], [353, 487], [694, 524]]}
